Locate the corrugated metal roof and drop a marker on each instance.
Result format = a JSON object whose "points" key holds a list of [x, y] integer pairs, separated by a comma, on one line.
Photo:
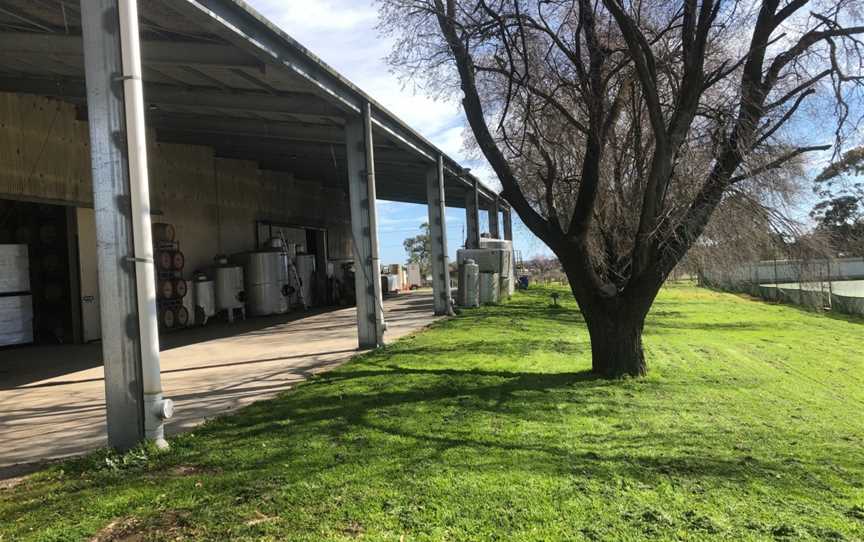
{"points": [[218, 73]]}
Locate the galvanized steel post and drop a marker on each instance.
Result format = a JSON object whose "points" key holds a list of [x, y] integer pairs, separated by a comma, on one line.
{"points": [[118, 299], [472, 216], [440, 265], [362, 195], [508, 224], [494, 229]]}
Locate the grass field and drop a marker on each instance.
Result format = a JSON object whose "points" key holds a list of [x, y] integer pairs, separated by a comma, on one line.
{"points": [[488, 427]]}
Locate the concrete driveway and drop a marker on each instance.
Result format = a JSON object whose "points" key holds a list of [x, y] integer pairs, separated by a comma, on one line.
{"points": [[52, 399]]}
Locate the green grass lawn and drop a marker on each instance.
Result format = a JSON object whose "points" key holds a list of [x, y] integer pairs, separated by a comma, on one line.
{"points": [[750, 426]]}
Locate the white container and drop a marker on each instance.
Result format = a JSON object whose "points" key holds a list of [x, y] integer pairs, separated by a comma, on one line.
{"points": [[14, 269], [16, 319], [229, 287], [414, 278], [490, 288], [393, 283], [469, 284], [501, 244], [204, 292], [265, 275], [507, 271], [490, 260], [306, 271]]}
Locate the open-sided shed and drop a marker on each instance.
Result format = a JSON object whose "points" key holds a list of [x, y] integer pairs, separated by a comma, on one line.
{"points": [[243, 126]]}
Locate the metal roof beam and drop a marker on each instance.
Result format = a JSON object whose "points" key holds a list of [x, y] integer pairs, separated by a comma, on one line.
{"points": [[161, 94], [153, 52], [235, 21], [246, 128]]}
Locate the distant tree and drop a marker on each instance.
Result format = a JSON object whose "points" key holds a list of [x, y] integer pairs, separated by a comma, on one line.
{"points": [[419, 249], [618, 127], [840, 211]]}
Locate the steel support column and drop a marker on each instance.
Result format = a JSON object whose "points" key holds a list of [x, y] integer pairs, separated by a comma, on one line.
{"points": [[508, 224], [440, 266], [118, 300], [361, 188], [494, 209], [472, 216]]}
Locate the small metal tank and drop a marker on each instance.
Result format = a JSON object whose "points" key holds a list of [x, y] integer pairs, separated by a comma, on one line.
{"points": [[230, 293], [204, 292], [490, 288], [469, 284]]}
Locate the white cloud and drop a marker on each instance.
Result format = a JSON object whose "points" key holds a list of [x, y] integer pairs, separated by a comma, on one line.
{"points": [[343, 34]]}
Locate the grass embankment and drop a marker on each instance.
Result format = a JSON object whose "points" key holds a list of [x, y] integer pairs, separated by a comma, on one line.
{"points": [[487, 426]]}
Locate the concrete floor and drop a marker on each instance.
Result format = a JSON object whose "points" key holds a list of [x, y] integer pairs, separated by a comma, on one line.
{"points": [[52, 401]]}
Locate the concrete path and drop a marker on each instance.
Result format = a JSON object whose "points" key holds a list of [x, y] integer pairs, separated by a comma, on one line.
{"points": [[52, 399]]}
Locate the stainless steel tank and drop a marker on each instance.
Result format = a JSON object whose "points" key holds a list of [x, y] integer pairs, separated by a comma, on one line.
{"points": [[469, 284], [204, 292], [266, 275], [229, 287]]}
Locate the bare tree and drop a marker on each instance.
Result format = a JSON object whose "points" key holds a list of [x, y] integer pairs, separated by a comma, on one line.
{"points": [[617, 127]]}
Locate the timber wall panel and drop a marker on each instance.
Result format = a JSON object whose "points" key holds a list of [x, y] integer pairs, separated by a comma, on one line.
{"points": [[213, 202]]}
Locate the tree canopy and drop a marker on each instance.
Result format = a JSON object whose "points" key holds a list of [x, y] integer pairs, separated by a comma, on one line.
{"points": [[618, 128]]}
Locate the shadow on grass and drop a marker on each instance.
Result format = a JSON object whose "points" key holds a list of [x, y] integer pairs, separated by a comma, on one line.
{"points": [[386, 421]]}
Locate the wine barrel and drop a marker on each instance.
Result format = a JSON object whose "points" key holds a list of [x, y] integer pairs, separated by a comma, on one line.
{"points": [[167, 317], [180, 288], [178, 261], [165, 260], [163, 232], [181, 316], [166, 289]]}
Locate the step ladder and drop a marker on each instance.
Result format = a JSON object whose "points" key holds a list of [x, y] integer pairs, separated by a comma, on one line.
{"points": [[294, 279]]}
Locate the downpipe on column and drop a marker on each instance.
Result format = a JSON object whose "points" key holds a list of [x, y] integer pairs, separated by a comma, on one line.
{"points": [[157, 409]]}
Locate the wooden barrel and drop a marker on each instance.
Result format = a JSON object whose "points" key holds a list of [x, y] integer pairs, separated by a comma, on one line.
{"points": [[163, 232], [165, 260], [167, 317], [180, 288], [178, 261], [181, 316], [165, 289]]}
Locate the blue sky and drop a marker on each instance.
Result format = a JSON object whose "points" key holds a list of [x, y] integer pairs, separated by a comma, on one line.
{"points": [[342, 33]]}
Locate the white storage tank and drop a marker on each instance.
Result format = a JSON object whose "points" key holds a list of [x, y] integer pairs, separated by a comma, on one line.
{"points": [[469, 284], [230, 288], [204, 293], [265, 280], [415, 280], [490, 288]]}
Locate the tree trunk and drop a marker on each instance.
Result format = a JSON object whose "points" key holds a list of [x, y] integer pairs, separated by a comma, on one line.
{"points": [[616, 342]]}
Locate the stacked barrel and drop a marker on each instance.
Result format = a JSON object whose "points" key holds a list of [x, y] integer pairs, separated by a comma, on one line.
{"points": [[171, 288]]}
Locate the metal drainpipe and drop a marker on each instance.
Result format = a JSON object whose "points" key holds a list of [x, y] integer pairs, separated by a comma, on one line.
{"points": [[372, 195], [156, 407]]}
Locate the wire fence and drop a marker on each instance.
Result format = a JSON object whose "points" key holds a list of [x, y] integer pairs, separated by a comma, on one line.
{"points": [[835, 284]]}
